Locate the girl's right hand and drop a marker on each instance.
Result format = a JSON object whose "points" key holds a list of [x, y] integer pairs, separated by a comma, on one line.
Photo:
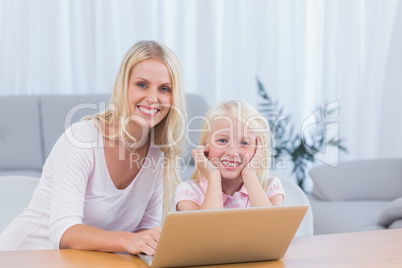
{"points": [[206, 167]]}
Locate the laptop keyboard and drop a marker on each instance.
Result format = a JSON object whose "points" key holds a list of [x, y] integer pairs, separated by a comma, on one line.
{"points": [[146, 258]]}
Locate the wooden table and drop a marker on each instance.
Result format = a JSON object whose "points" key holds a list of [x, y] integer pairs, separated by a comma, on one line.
{"points": [[363, 249]]}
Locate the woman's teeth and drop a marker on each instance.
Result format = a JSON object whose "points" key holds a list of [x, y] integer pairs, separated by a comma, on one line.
{"points": [[148, 111]]}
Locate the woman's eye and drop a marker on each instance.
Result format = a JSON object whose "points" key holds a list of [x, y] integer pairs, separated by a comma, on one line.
{"points": [[222, 140], [245, 143], [165, 89], [142, 85]]}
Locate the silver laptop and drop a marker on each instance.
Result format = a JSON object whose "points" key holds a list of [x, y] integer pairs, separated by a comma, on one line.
{"points": [[219, 236]]}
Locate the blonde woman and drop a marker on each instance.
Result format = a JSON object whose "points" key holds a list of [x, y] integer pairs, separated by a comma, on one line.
{"points": [[105, 183], [232, 162]]}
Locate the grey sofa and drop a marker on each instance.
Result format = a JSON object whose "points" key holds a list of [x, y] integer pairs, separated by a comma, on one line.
{"points": [[357, 195], [30, 125]]}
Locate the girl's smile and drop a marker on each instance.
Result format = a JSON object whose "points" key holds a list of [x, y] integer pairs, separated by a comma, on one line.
{"points": [[231, 165]]}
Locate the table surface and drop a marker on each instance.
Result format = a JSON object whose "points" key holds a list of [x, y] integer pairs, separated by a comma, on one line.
{"points": [[361, 249]]}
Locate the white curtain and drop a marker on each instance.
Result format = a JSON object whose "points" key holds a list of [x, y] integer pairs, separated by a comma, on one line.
{"points": [[305, 52]]}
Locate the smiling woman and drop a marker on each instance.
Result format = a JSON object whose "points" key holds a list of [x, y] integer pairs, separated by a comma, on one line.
{"points": [[95, 198], [150, 93]]}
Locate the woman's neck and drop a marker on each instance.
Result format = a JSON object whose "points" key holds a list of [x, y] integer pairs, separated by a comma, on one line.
{"points": [[139, 137]]}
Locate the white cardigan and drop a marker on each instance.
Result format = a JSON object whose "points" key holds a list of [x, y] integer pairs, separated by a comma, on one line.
{"points": [[76, 188]]}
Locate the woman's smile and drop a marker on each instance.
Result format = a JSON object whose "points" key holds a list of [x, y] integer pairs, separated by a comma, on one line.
{"points": [[147, 110]]}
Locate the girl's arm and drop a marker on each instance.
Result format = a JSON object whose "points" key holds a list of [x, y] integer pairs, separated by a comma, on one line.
{"points": [[213, 196], [91, 238], [212, 200], [258, 197]]}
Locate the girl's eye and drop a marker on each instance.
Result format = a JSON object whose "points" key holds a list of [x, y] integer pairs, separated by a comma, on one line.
{"points": [[245, 143], [222, 140], [165, 89], [142, 85]]}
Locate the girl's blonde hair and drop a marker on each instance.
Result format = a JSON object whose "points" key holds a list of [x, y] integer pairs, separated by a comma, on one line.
{"points": [[251, 118], [167, 135]]}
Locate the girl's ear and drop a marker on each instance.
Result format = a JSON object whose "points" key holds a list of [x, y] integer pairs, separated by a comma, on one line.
{"points": [[206, 153]]}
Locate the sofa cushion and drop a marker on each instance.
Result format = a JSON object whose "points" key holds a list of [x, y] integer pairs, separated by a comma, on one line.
{"points": [[36, 173], [20, 133], [15, 194], [379, 179], [345, 216], [395, 224], [391, 213], [59, 112], [196, 107]]}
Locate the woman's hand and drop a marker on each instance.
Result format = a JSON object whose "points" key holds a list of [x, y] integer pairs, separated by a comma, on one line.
{"points": [[255, 162], [206, 167], [144, 241], [86, 237]]}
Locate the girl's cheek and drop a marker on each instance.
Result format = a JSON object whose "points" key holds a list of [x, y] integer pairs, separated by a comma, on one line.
{"points": [[214, 161], [249, 155]]}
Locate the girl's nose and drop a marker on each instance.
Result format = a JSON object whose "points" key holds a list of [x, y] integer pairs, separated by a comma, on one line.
{"points": [[232, 150]]}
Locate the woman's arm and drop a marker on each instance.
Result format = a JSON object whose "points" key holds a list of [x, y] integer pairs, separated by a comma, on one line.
{"points": [[91, 238]]}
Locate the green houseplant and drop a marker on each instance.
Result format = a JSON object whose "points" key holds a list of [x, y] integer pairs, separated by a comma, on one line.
{"points": [[285, 143]]}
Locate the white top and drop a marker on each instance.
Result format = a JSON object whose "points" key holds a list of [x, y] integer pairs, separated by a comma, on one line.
{"points": [[76, 188]]}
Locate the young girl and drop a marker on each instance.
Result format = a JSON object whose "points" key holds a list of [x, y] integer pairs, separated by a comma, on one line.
{"points": [[93, 193], [231, 163]]}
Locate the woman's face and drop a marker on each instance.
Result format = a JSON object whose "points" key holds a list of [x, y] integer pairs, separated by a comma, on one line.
{"points": [[149, 93]]}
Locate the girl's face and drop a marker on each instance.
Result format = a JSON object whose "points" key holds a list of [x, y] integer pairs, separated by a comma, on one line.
{"points": [[149, 92], [231, 146]]}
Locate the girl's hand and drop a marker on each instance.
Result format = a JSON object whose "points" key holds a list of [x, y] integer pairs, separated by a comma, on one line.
{"points": [[144, 241], [255, 162], [206, 167]]}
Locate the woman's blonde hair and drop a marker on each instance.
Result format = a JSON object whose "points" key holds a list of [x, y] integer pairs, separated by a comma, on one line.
{"points": [[251, 118], [168, 134]]}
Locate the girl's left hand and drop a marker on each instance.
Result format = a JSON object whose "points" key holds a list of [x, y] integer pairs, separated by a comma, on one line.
{"points": [[255, 162]]}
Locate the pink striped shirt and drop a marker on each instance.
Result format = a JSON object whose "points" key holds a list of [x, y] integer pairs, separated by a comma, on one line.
{"points": [[193, 191]]}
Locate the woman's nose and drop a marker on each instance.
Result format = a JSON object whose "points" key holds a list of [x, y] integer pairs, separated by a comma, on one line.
{"points": [[152, 96]]}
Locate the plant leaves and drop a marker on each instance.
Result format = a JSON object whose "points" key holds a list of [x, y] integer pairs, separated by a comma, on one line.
{"points": [[286, 143]]}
